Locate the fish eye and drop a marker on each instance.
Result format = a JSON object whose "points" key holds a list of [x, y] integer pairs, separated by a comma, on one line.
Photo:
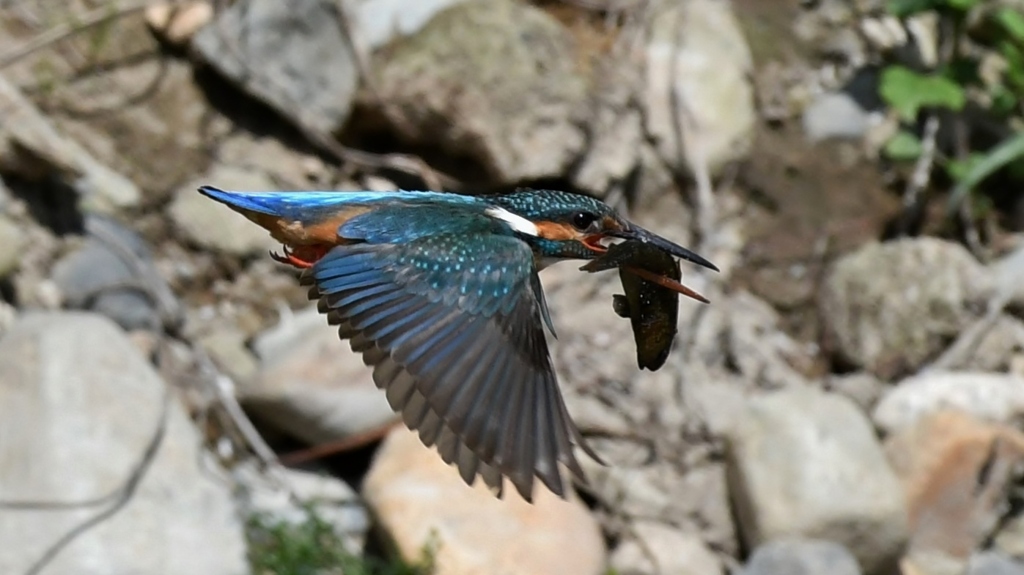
{"points": [[582, 220]]}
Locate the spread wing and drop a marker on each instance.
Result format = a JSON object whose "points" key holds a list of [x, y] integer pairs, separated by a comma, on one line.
{"points": [[452, 326]]}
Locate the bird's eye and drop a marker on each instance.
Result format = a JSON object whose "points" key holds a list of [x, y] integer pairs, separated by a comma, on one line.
{"points": [[582, 220]]}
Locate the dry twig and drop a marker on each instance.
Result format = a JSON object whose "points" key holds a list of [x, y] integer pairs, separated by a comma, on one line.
{"points": [[339, 446]]}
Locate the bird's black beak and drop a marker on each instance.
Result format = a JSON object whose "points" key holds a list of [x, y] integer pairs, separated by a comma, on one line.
{"points": [[632, 231]]}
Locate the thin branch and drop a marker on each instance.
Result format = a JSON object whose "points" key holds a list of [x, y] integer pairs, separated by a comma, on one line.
{"points": [[339, 446], [922, 173], [224, 391]]}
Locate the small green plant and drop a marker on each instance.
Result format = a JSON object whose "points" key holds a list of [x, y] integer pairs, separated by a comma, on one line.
{"points": [[314, 548], [982, 65]]}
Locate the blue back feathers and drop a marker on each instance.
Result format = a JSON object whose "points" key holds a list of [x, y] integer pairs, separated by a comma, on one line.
{"points": [[311, 205]]}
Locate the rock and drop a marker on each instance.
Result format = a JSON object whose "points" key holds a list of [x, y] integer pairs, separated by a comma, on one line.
{"points": [[930, 562], [113, 274], [495, 82], [290, 495], [158, 133], [800, 557], [78, 407], [226, 347], [11, 239], [990, 563], [216, 227], [892, 306], [697, 50], [380, 22], [6, 197], [417, 498], [803, 463], [663, 549], [987, 396], [996, 347], [289, 168], [8, 316], [313, 386], [863, 388], [299, 63], [1010, 538], [956, 472], [835, 115], [178, 23], [616, 133], [32, 148], [757, 347], [1009, 276]]}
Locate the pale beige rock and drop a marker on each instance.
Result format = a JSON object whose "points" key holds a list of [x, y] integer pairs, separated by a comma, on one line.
{"points": [[417, 498], [214, 226], [226, 347], [698, 60], [992, 397], [497, 82], [178, 22], [956, 472], [803, 463], [892, 306], [658, 548]]}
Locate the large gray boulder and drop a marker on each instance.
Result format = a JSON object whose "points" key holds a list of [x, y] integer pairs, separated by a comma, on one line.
{"points": [[79, 407]]}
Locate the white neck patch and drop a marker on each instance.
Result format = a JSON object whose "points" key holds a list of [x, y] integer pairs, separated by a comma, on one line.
{"points": [[517, 223]]}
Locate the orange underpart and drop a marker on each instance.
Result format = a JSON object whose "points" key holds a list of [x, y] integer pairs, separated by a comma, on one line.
{"points": [[302, 257]]}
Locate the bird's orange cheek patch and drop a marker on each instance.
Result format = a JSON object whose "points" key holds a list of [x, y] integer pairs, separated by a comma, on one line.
{"points": [[556, 231]]}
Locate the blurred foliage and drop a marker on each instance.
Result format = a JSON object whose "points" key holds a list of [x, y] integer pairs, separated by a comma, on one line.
{"points": [[315, 548], [983, 69]]}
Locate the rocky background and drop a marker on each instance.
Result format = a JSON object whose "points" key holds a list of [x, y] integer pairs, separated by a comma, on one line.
{"points": [[852, 400]]}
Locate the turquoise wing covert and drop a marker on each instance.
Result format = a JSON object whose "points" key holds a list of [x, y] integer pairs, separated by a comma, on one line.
{"points": [[452, 326]]}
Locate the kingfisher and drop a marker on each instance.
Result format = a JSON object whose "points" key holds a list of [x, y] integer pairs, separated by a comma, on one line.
{"points": [[440, 294]]}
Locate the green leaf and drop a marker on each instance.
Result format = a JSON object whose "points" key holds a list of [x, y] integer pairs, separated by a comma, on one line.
{"points": [[907, 92], [991, 162], [1012, 22], [958, 169], [903, 147], [1004, 101], [962, 5], [904, 8]]}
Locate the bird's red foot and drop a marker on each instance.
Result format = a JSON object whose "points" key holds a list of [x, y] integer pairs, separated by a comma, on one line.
{"points": [[302, 257]]}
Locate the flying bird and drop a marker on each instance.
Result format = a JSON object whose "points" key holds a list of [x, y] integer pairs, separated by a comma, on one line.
{"points": [[439, 292]]}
